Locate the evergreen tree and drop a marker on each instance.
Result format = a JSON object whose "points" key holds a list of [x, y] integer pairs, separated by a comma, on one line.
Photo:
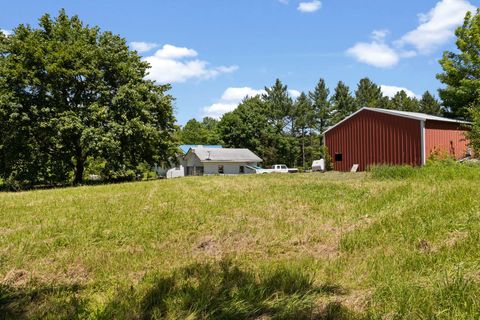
{"points": [[343, 104], [402, 102], [429, 105], [279, 106], [304, 119], [280, 113], [461, 71], [321, 107], [368, 94]]}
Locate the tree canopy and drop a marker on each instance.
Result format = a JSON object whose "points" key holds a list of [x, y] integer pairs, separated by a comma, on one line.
{"points": [[429, 104], [368, 94], [343, 103], [401, 101], [69, 93], [200, 132], [461, 70]]}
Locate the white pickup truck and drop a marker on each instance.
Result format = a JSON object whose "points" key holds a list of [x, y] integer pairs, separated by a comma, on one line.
{"points": [[276, 168], [281, 168]]}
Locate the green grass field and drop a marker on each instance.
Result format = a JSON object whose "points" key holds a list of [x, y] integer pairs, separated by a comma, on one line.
{"points": [[392, 244]]}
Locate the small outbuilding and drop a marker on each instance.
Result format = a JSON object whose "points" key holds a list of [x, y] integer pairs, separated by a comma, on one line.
{"points": [[206, 161], [374, 136]]}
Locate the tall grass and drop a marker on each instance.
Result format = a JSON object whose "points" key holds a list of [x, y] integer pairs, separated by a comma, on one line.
{"points": [[396, 243], [224, 291]]}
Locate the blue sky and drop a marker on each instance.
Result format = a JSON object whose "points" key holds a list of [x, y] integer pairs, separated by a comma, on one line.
{"points": [[216, 51]]}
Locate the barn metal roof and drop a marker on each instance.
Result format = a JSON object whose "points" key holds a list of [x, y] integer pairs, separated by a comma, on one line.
{"points": [[415, 115], [405, 114], [225, 155]]}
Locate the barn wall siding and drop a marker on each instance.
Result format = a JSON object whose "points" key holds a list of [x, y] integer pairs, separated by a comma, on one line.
{"points": [[446, 138], [370, 138]]}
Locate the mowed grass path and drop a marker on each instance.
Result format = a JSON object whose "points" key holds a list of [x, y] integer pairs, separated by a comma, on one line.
{"points": [[367, 247]]}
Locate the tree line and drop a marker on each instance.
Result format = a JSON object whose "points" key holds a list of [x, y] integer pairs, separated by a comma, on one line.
{"points": [[281, 129], [74, 100]]}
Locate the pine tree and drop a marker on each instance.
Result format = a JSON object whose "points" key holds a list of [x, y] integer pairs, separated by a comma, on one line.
{"points": [[343, 103], [321, 107], [429, 105], [402, 102], [303, 120], [279, 106], [368, 94]]}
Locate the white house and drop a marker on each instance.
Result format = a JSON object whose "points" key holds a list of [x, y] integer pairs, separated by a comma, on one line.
{"points": [[205, 161], [176, 169]]}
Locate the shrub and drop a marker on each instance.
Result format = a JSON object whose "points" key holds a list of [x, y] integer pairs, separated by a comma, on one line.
{"points": [[325, 154]]}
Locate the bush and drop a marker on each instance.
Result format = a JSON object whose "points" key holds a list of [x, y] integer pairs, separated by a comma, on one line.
{"points": [[325, 154]]}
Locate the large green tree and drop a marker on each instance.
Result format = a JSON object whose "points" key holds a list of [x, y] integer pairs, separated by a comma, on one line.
{"points": [[69, 92], [461, 70], [368, 94], [248, 127], [343, 104]]}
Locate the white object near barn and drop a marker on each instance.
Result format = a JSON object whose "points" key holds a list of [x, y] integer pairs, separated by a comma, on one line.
{"points": [[318, 165]]}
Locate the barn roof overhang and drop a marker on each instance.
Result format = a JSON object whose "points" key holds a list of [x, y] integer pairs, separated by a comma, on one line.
{"points": [[404, 114]]}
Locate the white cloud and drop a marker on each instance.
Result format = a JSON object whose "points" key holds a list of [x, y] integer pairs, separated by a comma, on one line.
{"points": [[230, 100], [170, 64], [376, 52], [435, 29], [232, 97], [390, 91], [142, 46], [171, 52], [310, 6], [294, 93], [379, 35], [437, 26], [216, 110], [6, 32], [238, 94]]}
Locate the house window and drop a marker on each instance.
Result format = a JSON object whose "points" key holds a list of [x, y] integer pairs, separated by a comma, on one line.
{"points": [[242, 169], [220, 169], [338, 157]]}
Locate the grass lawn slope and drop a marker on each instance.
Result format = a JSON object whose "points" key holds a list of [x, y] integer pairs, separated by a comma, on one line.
{"points": [[397, 243]]}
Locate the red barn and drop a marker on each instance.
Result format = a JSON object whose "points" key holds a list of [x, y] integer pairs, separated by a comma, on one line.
{"points": [[381, 136]]}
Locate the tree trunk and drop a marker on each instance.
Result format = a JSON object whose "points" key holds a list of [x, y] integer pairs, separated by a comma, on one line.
{"points": [[79, 166], [79, 169], [303, 148]]}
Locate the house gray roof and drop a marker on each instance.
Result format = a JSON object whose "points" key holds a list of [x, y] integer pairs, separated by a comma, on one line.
{"points": [[225, 155], [404, 114], [186, 147]]}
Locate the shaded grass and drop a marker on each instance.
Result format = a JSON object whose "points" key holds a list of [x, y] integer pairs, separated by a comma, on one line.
{"points": [[395, 243], [51, 302], [225, 291]]}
